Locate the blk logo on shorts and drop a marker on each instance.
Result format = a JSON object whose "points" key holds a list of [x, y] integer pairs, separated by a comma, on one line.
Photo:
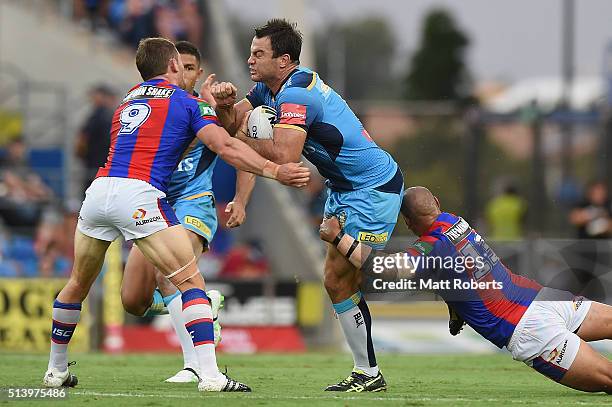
{"points": [[358, 319], [139, 214]]}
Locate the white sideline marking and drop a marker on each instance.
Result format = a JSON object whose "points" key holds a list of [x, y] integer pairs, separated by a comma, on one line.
{"points": [[271, 397]]}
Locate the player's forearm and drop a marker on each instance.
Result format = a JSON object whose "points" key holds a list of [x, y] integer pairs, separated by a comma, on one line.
{"points": [[227, 116], [240, 156], [357, 253], [245, 182], [265, 148]]}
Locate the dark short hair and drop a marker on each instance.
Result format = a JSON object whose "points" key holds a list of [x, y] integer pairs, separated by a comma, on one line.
{"points": [[284, 37], [185, 47], [153, 55]]}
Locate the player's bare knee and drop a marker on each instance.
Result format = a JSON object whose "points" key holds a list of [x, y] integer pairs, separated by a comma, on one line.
{"points": [[134, 305]]}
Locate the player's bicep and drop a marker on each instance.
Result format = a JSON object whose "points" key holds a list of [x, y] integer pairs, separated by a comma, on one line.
{"points": [[214, 137], [288, 143]]}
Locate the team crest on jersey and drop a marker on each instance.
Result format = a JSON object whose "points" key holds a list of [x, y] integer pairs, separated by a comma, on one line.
{"points": [[423, 247], [577, 302], [459, 231], [206, 109]]}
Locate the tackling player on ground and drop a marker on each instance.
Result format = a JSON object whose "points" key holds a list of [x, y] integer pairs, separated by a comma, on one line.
{"points": [[151, 129], [543, 327], [190, 195], [365, 182]]}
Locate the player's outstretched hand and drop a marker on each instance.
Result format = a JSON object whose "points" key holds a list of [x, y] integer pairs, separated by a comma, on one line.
{"points": [[225, 93], [237, 213], [293, 175], [205, 90], [329, 229]]}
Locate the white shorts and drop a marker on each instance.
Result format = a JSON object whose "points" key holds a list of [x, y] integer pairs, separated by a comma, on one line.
{"points": [[544, 337], [126, 206]]}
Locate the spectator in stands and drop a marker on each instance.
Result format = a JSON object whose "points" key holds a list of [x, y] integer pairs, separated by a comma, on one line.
{"points": [[91, 12], [136, 20], [593, 216], [506, 215], [23, 194], [93, 140], [588, 258]]}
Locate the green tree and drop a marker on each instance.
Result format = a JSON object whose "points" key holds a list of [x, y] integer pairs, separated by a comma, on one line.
{"points": [[438, 70]]}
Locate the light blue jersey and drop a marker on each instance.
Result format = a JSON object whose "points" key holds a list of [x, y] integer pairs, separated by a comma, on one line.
{"points": [[336, 143], [193, 175], [366, 184], [190, 191]]}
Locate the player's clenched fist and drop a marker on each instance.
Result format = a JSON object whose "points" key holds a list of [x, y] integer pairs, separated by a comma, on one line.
{"points": [[329, 229], [293, 174], [225, 93]]}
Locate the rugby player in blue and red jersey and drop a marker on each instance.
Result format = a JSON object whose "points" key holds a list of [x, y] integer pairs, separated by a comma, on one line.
{"points": [[191, 197], [151, 129], [541, 326]]}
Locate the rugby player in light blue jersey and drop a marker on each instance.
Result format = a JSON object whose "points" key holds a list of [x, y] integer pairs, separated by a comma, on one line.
{"points": [[365, 183], [191, 197]]}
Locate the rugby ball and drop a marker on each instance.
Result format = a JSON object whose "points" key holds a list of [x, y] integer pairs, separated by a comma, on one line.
{"points": [[261, 122]]}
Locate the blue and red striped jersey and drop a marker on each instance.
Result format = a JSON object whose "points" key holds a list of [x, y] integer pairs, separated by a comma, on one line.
{"points": [[151, 129], [483, 291]]}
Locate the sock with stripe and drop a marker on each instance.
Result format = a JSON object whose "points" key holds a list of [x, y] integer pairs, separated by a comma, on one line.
{"points": [[198, 317], [175, 309], [65, 319], [356, 324]]}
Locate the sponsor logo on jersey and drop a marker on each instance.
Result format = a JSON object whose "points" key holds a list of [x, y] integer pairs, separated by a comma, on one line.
{"points": [[145, 221], [459, 231], [147, 92], [198, 224], [373, 237], [139, 214], [292, 113]]}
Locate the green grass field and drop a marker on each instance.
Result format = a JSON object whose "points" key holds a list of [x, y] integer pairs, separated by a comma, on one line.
{"points": [[288, 380]]}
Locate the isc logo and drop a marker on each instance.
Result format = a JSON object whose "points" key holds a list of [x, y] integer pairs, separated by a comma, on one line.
{"points": [[62, 332]]}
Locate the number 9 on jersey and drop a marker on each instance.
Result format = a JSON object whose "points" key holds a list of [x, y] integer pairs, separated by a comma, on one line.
{"points": [[133, 116]]}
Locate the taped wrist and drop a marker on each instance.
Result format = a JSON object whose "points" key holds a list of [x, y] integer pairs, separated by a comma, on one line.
{"points": [[270, 169]]}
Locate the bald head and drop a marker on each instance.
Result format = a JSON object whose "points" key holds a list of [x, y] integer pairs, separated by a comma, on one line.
{"points": [[419, 206]]}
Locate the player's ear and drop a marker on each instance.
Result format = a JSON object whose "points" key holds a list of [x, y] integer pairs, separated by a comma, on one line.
{"points": [[173, 65], [285, 60]]}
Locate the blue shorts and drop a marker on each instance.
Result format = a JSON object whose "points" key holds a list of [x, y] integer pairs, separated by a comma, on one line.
{"points": [[368, 215], [198, 216]]}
